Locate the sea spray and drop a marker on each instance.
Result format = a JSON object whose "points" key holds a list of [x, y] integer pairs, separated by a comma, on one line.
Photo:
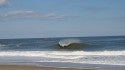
{"points": [[67, 42]]}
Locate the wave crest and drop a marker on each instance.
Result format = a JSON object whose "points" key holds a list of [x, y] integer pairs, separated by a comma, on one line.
{"points": [[68, 42]]}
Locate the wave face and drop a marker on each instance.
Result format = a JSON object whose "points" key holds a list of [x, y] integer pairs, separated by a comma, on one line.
{"points": [[89, 50], [67, 42], [71, 44]]}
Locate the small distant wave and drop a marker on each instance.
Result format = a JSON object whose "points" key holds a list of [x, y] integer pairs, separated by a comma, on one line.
{"points": [[2, 45]]}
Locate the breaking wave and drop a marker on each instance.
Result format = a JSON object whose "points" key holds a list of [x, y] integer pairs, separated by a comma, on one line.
{"points": [[67, 42], [99, 57], [61, 53]]}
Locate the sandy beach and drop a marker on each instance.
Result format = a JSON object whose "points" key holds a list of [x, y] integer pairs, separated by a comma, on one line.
{"points": [[20, 67]]}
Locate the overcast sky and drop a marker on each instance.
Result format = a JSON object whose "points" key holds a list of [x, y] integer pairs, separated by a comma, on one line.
{"points": [[61, 18]]}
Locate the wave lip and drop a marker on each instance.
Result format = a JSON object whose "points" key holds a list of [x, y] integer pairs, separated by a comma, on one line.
{"points": [[68, 42]]}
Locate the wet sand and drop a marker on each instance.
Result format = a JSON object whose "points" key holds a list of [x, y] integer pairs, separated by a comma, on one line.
{"points": [[21, 67]]}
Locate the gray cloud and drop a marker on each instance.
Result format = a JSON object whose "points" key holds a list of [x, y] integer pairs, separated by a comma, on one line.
{"points": [[96, 9], [3, 2], [26, 14]]}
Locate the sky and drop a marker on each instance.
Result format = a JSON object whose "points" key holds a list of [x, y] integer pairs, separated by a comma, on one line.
{"points": [[61, 18]]}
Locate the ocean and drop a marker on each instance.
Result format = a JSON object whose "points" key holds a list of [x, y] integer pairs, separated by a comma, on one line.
{"points": [[109, 50]]}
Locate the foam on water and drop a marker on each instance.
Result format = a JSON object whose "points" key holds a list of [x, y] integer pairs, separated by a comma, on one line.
{"points": [[61, 53], [105, 57], [95, 50]]}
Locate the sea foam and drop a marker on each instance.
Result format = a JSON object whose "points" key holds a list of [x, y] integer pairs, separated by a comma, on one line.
{"points": [[105, 57]]}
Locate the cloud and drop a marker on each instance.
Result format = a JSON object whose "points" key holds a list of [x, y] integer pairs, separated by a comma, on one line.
{"points": [[3, 2], [26, 14], [96, 9]]}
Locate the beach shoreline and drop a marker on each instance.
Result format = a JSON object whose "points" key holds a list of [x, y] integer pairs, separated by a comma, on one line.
{"points": [[58, 66], [24, 67]]}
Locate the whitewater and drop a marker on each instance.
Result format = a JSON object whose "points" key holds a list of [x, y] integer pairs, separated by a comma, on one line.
{"points": [[92, 50]]}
